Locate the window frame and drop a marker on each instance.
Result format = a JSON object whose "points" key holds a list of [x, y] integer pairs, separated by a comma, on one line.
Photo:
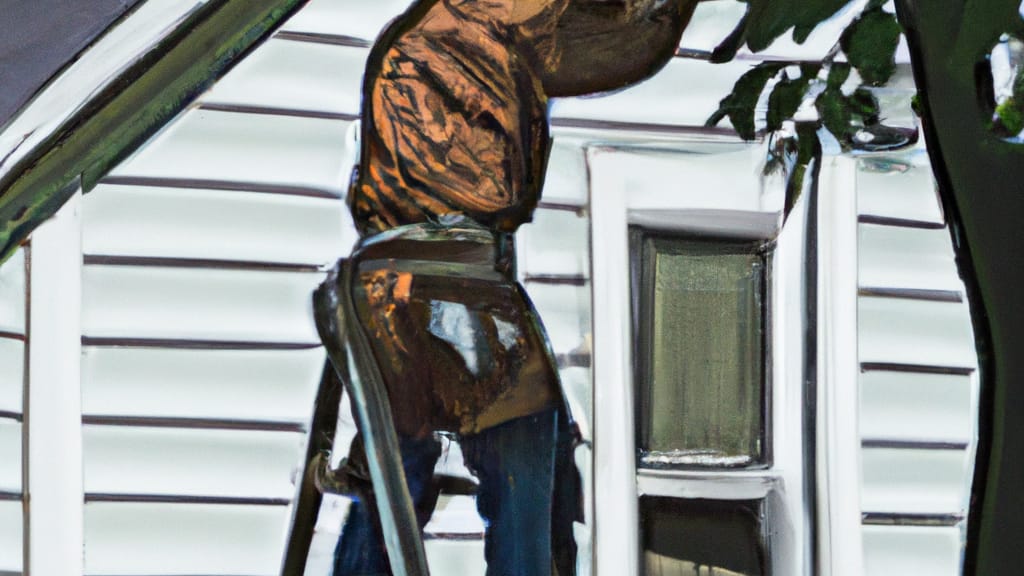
{"points": [[641, 185], [643, 253]]}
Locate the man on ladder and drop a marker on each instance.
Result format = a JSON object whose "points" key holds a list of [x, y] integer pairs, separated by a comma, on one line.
{"points": [[426, 321]]}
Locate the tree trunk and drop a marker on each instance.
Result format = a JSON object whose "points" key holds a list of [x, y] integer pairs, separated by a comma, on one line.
{"points": [[981, 181]]}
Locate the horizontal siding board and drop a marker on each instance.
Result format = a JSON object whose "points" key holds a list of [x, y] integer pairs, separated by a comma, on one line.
{"points": [[671, 97], [895, 330], [200, 304], [213, 224], [682, 179], [711, 23], [11, 530], [455, 557], [555, 243], [295, 75], [10, 455], [355, 18], [565, 312], [900, 186], [12, 374], [455, 515], [913, 481], [895, 257], [566, 179], [923, 407], [206, 539], [12, 293], [268, 385], [193, 423], [912, 550], [272, 150], [167, 461]]}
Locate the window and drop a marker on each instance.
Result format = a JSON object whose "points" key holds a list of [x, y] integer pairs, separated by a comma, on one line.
{"points": [[699, 316], [702, 537]]}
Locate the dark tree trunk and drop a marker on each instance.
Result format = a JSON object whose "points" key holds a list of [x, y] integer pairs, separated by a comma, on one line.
{"points": [[981, 181]]}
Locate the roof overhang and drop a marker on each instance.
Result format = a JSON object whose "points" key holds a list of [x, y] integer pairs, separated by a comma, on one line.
{"points": [[138, 76]]}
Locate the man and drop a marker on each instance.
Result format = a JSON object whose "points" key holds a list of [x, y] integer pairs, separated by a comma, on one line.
{"points": [[455, 144]]}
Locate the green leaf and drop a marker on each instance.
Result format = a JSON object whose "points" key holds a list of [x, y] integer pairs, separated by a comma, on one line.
{"points": [[808, 151], [739, 105], [727, 48], [785, 99], [770, 19], [864, 104], [1011, 116], [834, 113], [838, 74], [870, 45]]}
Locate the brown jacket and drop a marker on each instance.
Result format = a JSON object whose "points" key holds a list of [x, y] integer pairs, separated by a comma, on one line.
{"points": [[455, 117], [455, 124]]}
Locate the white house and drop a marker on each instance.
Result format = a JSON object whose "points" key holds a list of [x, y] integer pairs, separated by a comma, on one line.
{"points": [[160, 360]]}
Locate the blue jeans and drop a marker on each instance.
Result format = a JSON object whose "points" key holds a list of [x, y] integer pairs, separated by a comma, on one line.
{"points": [[515, 464]]}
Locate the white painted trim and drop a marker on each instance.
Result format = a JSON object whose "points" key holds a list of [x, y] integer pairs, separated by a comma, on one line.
{"points": [[101, 63], [788, 315], [650, 136], [738, 485], [616, 520], [612, 178], [55, 485], [838, 446]]}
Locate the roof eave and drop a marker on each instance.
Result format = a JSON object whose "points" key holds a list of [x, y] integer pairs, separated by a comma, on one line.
{"points": [[129, 106]]}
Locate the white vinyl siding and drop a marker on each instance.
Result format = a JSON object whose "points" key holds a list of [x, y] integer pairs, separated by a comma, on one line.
{"points": [[918, 381], [211, 224], [13, 285], [11, 530], [208, 539], [248, 385]]}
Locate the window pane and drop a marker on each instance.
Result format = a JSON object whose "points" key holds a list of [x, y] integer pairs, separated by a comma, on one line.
{"points": [[701, 372], [702, 537]]}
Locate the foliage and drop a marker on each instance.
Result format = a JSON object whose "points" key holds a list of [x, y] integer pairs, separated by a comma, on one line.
{"points": [[868, 43], [1010, 117], [766, 20], [740, 105], [788, 94]]}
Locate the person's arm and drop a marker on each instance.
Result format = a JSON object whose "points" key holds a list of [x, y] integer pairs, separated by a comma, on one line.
{"points": [[609, 44]]}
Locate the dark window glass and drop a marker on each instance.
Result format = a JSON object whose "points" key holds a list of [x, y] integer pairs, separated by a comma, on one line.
{"points": [[702, 537], [700, 351]]}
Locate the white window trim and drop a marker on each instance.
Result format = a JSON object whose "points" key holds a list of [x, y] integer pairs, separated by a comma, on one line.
{"points": [[838, 443], [616, 521], [54, 539]]}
